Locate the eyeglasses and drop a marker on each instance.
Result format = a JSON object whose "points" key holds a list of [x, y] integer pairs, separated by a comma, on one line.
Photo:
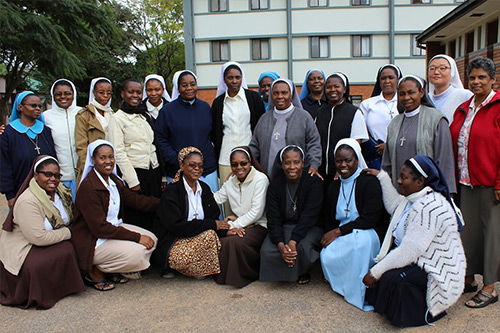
{"points": [[49, 174], [194, 165], [60, 93], [440, 68], [34, 105], [243, 164]]}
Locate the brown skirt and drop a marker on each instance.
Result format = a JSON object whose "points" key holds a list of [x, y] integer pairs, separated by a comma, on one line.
{"points": [[47, 275], [196, 256], [240, 257]]}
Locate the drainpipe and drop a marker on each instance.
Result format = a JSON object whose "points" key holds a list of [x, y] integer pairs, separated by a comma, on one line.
{"points": [[188, 35], [391, 31], [289, 37]]}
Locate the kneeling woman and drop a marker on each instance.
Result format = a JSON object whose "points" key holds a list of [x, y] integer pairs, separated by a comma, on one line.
{"points": [[351, 242], [246, 193], [38, 263], [106, 247], [425, 273], [186, 222], [293, 203]]}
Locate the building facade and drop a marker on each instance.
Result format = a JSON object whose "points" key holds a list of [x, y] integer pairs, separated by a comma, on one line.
{"points": [[470, 30], [292, 36]]}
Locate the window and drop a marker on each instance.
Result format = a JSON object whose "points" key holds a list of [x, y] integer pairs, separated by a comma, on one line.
{"points": [[218, 5], [469, 42], [318, 3], [420, 1], [415, 50], [260, 49], [319, 47], [492, 32], [360, 2], [361, 46], [220, 51], [479, 37], [260, 4], [453, 49], [356, 99]]}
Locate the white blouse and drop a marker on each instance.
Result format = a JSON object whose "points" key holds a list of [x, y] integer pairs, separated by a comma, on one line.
{"points": [[194, 200], [378, 113], [114, 205], [59, 205]]}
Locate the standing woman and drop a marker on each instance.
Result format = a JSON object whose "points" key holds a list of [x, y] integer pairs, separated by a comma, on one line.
{"points": [[155, 93], [187, 221], [420, 129], [379, 111], [312, 95], [131, 132], [184, 122], [293, 206], [92, 123], [246, 193], [265, 80], [61, 121], [337, 120], [446, 91], [286, 124], [38, 263], [476, 139], [24, 139], [235, 113], [354, 218]]}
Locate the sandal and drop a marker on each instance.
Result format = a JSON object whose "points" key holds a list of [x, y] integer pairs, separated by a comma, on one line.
{"points": [[482, 299], [116, 278], [304, 278], [470, 288], [99, 285]]}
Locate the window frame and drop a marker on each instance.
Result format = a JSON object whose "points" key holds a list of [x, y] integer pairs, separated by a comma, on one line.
{"points": [[309, 3], [414, 46], [370, 51], [319, 47], [251, 5], [268, 40], [218, 10], [220, 56], [369, 2]]}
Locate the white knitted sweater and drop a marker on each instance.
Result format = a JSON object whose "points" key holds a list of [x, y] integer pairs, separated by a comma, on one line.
{"points": [[431, 240]]}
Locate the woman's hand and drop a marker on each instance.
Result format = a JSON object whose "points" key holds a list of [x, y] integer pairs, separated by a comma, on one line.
{"points": [[372, 172], [136, 188], [369, 280], [2, 129], [313, 171], [222, 225], [330, 236], [288, 252], [147, 241], [236, 231], [497, 194], [230, 218], [380, 148], [10, 202]]}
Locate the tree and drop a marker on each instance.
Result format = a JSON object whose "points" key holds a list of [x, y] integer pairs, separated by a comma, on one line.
{"points": [[51, 37]]}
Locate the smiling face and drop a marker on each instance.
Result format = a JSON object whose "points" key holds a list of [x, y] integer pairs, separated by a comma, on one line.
{"points": [[282, 97], [346, 162], [102, 92], [407, 184], [335, 90], [154, 90], [49, 184], [389, 81], [63, 96], [188, 88], [233, 80], [480, 83], [439, 72], [104, 160], [192, 167], [132, 94], [240, 165], [410, 95], [315, 82], [30, 108], [292, 165], [265, 87]]}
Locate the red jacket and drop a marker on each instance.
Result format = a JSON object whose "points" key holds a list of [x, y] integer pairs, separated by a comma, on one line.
{"points": [[484, 142]]}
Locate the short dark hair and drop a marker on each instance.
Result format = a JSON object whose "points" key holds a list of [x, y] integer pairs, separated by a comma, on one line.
{"points": [[102, 81], [184, 74], [413, 170], [232, 67], [347, 147], [124, 84], [63, 83], [481, 62], [295, 149], [94, 153], [49, 161]]}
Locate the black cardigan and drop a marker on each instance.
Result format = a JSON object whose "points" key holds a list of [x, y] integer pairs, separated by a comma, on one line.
{"points": [[257, 109], [309, 201], [171, 219], [368, 197]]}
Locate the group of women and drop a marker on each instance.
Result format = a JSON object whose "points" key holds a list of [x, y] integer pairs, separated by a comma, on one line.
{"points": [[299, 177]]}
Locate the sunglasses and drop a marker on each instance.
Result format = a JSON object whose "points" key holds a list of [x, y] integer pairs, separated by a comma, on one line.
{"points": [[49, 174], [243, 164], [34, 105], [194, 165]]}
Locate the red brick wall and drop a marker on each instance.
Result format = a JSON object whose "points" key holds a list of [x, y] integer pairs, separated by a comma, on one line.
{"points": [[496, 59]]}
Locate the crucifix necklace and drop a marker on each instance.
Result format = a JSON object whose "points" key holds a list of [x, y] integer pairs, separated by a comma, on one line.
{"points": [[276, 135], [195, 208], [35, 143], [403, 138], [347, 210], [294, 202]]}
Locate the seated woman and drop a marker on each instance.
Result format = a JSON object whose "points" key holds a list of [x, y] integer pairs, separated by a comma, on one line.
{"points": [[425, 272], [293, 203], [246, 192], [38, 263], [186, 222], [351, 241], [106, 247]]}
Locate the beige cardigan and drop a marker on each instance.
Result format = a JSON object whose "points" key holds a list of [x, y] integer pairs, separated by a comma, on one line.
{"points": [[28, 230]]}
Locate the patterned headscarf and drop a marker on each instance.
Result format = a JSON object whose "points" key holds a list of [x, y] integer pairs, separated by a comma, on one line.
{"points": [[182, 156]]}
